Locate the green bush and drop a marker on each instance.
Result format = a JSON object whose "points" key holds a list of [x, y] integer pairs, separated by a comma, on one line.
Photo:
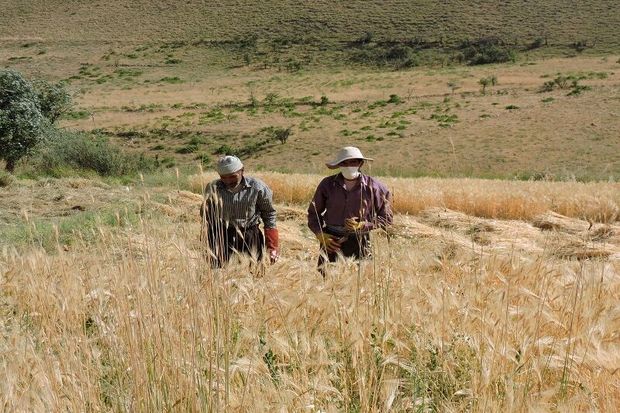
{"points": [[395, 99], [64, 153], [189, 148], [397, 56], [23, 116], [27, 109], [486, 51]]}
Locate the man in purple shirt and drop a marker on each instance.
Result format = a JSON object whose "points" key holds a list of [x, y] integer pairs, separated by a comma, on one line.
{"points": [[346, 207]]}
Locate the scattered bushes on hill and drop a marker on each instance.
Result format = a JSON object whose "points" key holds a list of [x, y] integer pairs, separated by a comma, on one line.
{"points": [[565, 82], [63, 153]]}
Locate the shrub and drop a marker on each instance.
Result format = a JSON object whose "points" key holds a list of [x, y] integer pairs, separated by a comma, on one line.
{"points": [[190, 148], [580, 45], [394, 99], [398, 56], [224, 150], [537, 43], [26, 111], [577, 89], [171, 79], [204, 159], [487, 50], [60, 151], [282, 134]]}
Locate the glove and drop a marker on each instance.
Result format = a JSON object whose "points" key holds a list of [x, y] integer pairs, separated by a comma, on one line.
{"points": [[354, 225], [272, 242], [328, 242]]}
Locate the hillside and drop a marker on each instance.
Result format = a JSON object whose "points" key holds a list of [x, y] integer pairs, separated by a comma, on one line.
{"points": [[321, 21], [184, 82]]}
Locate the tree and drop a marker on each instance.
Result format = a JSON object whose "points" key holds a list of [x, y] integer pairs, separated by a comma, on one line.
{"points": [[26, 110], [485, 81], [53, 99]]}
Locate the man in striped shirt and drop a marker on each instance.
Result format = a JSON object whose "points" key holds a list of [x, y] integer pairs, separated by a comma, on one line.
{"points": [[232, 210]]}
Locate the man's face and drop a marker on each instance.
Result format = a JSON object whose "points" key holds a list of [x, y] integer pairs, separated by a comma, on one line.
{"points": [[351, 162], [233, 179]]}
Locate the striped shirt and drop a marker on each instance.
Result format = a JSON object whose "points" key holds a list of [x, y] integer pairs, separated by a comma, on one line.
{"points": [[245, 207]]}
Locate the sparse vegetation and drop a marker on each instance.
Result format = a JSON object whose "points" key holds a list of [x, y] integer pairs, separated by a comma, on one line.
{"points": [[63, 153]]}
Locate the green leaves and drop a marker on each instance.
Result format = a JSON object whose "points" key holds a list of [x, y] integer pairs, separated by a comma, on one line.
{"points": [[26, 110]]}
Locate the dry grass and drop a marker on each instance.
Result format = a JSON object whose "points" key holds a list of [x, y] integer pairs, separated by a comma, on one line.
{"points": [[439, 319], [517, 200]]}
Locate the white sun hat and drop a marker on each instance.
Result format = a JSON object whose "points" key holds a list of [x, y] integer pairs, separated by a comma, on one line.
{"points": [[227, 165], [348, 152]]}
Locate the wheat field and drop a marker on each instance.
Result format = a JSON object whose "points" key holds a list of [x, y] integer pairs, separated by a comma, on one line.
{"points": [[486, 296]]}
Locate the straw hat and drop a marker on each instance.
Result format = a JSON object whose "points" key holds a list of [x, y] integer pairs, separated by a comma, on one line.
{"points": [[348, 152], [227, 165]]}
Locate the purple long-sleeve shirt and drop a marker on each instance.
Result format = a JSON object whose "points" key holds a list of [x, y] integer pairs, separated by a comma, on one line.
{"points": [[369, 200]]}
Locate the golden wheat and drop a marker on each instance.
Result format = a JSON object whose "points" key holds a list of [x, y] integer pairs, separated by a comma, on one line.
{"points": [[134, 320]]}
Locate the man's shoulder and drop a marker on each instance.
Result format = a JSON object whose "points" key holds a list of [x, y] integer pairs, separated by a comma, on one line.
{"points": [[255, 183], [328, 180], [375, 183]]}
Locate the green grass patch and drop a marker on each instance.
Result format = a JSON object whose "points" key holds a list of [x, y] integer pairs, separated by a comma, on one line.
{"points": [[82, 226]]}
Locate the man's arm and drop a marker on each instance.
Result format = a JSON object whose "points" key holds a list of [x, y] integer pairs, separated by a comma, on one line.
{"points": [[264, 205]]}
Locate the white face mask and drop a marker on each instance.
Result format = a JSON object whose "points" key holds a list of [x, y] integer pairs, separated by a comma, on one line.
{"points": [[350, 172]]}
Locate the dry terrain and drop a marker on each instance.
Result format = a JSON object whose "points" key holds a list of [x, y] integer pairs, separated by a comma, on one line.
{"points": [[423, 121]]}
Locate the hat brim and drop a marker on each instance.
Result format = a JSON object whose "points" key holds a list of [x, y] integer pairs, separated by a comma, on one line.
{"points": [[334, 164]]}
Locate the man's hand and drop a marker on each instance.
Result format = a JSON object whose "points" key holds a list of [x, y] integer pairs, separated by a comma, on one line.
{"points": [[328, 242], [272, 239], [274, 256], [353, 224]]}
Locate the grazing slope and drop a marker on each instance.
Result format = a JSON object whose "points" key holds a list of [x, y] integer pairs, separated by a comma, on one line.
{"points": [[321, 21]]}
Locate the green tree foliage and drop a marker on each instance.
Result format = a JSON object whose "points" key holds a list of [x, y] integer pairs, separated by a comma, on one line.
{"points": [[26, 110], [54, 99]]}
